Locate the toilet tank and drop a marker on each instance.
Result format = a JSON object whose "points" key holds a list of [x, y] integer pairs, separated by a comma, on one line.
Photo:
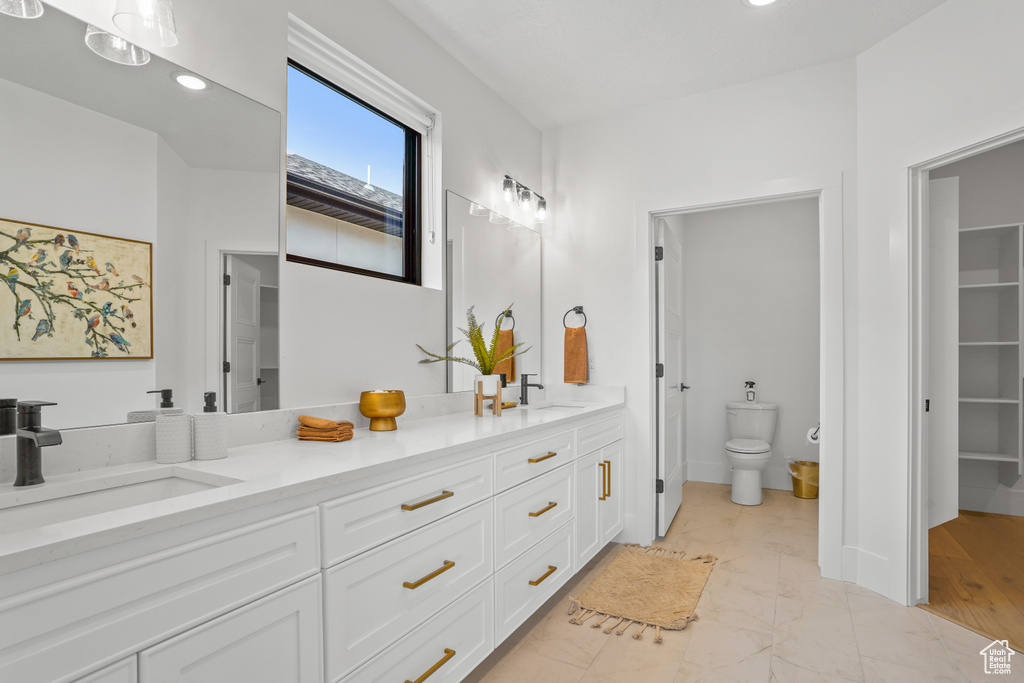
{"points": [[751, 420]]}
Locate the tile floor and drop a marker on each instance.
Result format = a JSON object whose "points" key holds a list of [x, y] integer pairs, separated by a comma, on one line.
{"points": [[765, 615]]}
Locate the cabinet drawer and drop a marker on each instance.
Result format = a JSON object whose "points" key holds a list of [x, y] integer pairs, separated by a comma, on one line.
{"points": [[530, 512], [68, 627], [466, 628], [361, 521], [125, 671], [515, 465], [524, 585], [599, 434], [273, 640], [373, 599]]}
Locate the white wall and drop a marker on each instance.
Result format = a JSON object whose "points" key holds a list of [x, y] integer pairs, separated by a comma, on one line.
{"points": [[83, 160], [604, 177], [343, 333], [752, 302], [947, 81], [990, 194]]}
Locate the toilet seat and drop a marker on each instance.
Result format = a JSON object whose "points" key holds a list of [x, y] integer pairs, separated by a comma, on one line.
{"points": [[747, 446]]}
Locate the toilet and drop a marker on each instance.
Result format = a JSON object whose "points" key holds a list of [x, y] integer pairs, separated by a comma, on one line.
{"points": [[751, 430]]}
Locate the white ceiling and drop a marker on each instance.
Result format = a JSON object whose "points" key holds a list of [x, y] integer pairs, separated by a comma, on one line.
{"points": [[561, 61]]}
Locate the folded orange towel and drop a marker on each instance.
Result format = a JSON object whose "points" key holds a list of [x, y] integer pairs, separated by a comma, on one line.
{"points": [[506, 340], [302, 431], [575, 355], [326, 438], [321, 423]]}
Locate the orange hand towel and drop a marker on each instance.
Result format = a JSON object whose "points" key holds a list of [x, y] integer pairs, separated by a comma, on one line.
{"points": [[575, 355], [321, 423], [304, 431], [326, 438], [506, 340]]}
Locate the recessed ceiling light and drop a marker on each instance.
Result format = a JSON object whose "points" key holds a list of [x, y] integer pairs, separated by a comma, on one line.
{"points": [[757, 3], [191, 82]]}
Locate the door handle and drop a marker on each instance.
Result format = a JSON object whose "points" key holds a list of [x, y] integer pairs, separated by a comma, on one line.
{"points": [[608, 479], [683, 387], [604, 480]]}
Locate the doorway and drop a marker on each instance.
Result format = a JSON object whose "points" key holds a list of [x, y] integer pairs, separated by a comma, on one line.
{"points": [[967, 458], [738, 300], [250, 332]]}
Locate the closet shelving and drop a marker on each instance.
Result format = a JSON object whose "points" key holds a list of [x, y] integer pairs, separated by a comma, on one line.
{"points": [[990, 321]]}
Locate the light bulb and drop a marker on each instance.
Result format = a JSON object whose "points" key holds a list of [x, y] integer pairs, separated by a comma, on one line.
{"points": [[542, 210], [525, 197], [508, 189]]}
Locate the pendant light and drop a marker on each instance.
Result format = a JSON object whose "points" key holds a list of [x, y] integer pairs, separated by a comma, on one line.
{"points": [[22, 9], [114, 48], [150, 22]]}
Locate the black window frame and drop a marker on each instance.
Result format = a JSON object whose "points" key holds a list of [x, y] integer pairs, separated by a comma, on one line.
{"points": [[412, 191]]}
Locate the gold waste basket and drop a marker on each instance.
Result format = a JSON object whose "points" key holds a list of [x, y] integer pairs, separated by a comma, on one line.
{"points": [[805, 478]]}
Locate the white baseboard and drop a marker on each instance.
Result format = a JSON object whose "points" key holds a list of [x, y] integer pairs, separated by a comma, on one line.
{"points": [[868, 570], [777, 478], [1001, 501]]}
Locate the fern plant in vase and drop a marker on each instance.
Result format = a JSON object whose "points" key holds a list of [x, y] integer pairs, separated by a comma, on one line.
{"points": [[486, 357]]}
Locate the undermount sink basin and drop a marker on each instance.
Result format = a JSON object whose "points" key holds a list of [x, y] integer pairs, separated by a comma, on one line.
{"points": [[73, 497], [549, 406]]}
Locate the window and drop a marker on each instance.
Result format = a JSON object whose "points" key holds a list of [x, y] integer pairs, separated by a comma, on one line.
{"points": [[354, 182]]}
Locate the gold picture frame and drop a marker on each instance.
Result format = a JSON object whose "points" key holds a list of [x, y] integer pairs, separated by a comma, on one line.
{"points": [[71, 294]]}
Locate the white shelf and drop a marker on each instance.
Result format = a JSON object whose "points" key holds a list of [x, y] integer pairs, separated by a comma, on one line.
{"points": [[988, 457], [989, 227], [995, 343], [987, 400], [989, 285]]}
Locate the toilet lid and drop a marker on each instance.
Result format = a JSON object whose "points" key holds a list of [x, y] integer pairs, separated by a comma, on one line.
{"points": [[747, 446]]}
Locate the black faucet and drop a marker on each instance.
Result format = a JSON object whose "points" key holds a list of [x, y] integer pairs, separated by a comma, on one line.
{"points": [[32, 438], [524, 387]]}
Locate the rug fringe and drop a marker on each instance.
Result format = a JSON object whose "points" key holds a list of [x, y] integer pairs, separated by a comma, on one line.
{"points": [[657, 634], [612, 627], [582, 617], [574, 605], [639, 635], [629, 622], [599, 623]]}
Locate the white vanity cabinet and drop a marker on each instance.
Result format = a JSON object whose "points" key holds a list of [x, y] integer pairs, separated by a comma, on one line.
{"points": [[273, 640], [599, 493]]}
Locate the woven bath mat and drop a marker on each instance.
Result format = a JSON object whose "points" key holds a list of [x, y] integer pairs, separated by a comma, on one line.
{"points": [[647, 587]]}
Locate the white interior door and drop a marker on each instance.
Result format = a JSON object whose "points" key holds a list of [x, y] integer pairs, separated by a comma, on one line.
{"points": [[242, 347], [672, 354], [942, 352]]}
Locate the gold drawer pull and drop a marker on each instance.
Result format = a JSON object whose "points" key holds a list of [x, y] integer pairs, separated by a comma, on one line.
{"points": [[548, 573], [608, 479], [540, 512], [417, 506], [447, 565], [543, 457], [604, 480], [448, 654]]}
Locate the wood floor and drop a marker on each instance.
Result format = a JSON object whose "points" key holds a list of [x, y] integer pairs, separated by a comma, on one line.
{"points": [[976, 574]]}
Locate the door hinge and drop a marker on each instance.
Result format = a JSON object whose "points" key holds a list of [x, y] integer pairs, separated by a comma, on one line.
{"points": [[659, 370], [659, 253], [227, 366], [659, 486], [227, 279], [927, 404]]}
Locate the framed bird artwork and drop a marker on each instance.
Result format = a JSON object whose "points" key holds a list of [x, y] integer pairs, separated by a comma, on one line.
{"points": [[69, 294]]}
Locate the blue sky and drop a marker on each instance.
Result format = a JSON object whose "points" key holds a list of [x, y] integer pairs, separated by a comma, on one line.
{"points": [[334, 131]]}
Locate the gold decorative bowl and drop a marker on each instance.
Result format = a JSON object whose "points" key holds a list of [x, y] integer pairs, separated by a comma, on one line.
{"points": [[382, 407]]}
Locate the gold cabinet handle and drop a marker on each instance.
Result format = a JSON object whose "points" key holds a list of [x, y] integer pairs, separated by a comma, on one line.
{"points": [[548, 573], [434, 574], [540, 512], [608, 479], [417, 506], [543, 457], [604, 480], [448, 654]]}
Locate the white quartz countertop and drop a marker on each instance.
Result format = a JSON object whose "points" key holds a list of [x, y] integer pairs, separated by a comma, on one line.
{"points": [[273, 471]]}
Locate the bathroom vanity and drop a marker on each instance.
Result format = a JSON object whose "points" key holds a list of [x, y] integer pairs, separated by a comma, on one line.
{"points": [[382, 558]]}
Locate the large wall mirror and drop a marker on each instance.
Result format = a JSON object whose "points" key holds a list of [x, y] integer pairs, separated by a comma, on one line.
{"points": [[125, 151], [493, 262]]}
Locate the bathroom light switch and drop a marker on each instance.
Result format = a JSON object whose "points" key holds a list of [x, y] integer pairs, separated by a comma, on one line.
{"points": [[591, 363]]}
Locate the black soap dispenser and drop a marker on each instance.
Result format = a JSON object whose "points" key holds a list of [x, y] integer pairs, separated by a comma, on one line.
{"points": [[166, 397], [751, 396]]}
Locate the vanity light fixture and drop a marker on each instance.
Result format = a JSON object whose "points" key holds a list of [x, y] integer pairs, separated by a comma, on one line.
{"points": [[190, 81], [478, 209], [22, 9], [148, 21], [114, 48], [521, 196]]}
